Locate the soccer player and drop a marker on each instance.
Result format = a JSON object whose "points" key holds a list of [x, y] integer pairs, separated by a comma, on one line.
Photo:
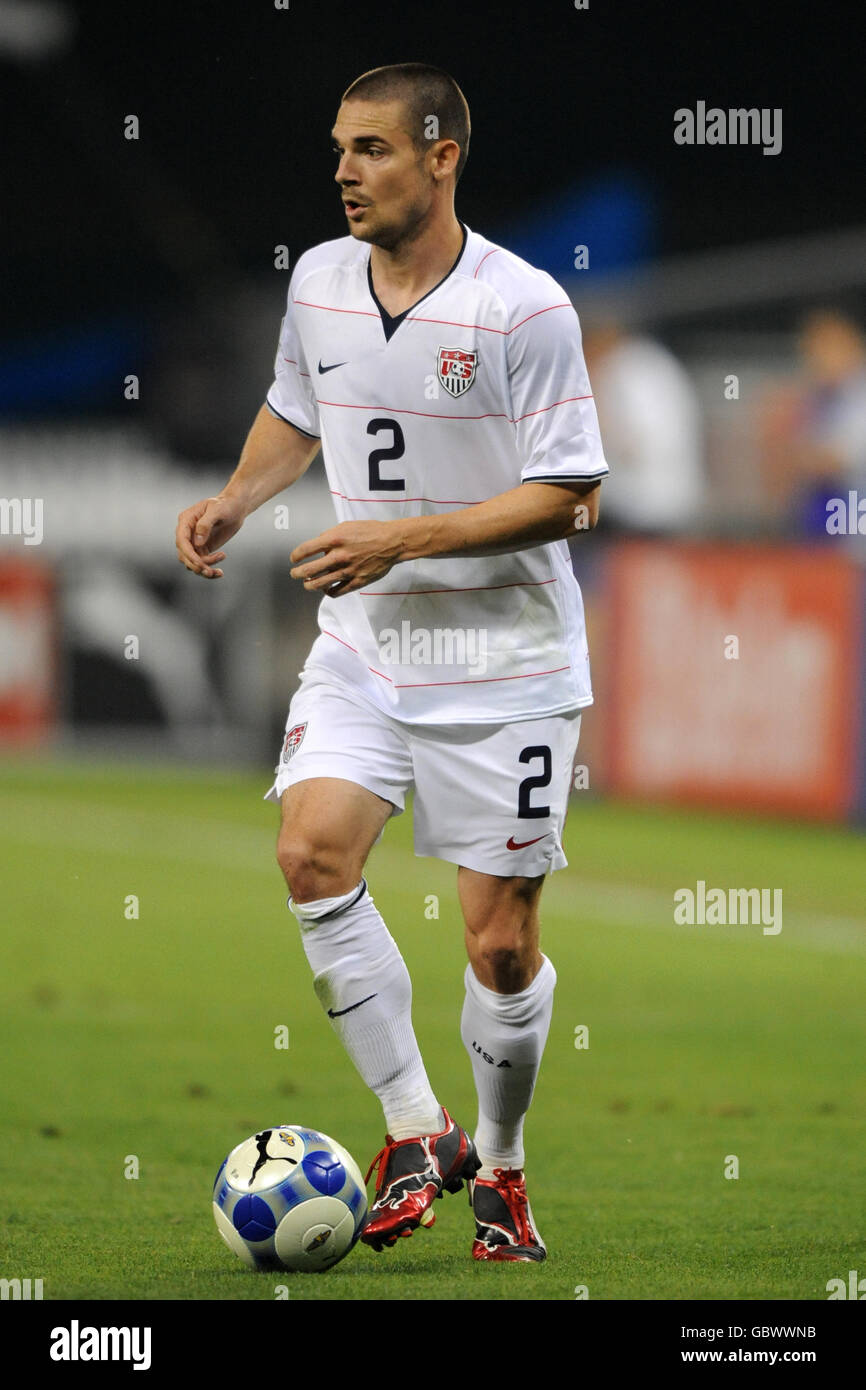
{"points": [[443, 378]]}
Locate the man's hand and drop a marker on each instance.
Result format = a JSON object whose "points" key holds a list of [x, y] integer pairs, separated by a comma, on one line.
{"points": [[356, 553], [352, 554], [202, 529]]}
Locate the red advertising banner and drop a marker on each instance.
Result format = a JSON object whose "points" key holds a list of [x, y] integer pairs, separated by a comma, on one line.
{"points": [[27, 652], [734, 676]]}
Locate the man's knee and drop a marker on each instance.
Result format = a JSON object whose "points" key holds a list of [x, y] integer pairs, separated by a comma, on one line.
{"points": [[327, 829], [503, 958], [314, 869], [502, 933], [504, 950], [505, 908]]}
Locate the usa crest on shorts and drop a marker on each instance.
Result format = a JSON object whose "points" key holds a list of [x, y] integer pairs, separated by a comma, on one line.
{"points": [[456, 369], [293, 740]]}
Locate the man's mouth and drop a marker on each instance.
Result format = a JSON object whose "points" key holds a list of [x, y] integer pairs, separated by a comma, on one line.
{"points": [[353, 206]]}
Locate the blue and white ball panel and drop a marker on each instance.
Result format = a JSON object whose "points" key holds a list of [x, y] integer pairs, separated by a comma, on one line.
{"points": [[264, 1160], [237, 1244], [315, 1235], [346, 1159], [290, 1197]]}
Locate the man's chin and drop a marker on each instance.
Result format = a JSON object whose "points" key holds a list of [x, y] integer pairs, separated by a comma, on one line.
{"points": [[374, 236], [362, 230]]}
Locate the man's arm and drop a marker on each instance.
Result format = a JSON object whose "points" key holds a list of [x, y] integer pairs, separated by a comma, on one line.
{"points": [[274, 456], [358, 552], [528, 515]]}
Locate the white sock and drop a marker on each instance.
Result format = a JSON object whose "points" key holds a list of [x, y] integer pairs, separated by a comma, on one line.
{"points": [[499, 1029], [360, 976]]}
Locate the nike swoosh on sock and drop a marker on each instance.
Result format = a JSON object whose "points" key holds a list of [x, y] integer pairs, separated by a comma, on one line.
{"points": [[338, 1013]]}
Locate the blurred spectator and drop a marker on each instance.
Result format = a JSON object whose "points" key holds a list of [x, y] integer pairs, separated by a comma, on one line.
{"points": [[650, 420], [813, 435]]}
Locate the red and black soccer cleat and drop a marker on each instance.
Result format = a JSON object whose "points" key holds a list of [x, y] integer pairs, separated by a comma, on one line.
{"points": [[411, 1174], [505, 1228]]}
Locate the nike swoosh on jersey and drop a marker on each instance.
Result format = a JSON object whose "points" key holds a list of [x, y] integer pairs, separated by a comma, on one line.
{"points": [[338, 1013], [524, 843], [331, 368]]}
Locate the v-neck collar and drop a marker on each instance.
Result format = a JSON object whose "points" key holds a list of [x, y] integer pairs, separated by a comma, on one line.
{"points": [[391, 322]]}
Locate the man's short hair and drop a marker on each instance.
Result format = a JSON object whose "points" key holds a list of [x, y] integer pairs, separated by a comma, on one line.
{"points": [[425, 91]]}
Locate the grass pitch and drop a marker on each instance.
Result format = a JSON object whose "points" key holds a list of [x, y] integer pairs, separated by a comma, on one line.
{"points": [[153, 1037]]}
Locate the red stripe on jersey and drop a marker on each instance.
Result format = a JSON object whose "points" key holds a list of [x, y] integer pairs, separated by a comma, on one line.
{"points": [[366, 313], [340, 640], [550, 407], [484, 680], [449, 323], [483, 259], [475, 589], [292, 363], [503, 332], [566, 305], [419, 685], [439, 415], [452, 323], [357, 653], [437, 501], [427, 414]]}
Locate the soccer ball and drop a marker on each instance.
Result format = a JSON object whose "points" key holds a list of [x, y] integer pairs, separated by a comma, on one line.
{"points": [[289, 1198]]}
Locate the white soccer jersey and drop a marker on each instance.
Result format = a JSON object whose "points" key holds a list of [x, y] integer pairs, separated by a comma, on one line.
{"points": [[477, 387]]}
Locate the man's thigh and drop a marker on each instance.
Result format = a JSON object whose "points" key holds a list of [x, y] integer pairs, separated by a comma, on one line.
{"points": [[329, 817], [494, 798], [331, 735], [344, 769]]}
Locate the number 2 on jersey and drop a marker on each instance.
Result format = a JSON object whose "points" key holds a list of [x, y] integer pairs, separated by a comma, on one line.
{"points": [[396, 450]]}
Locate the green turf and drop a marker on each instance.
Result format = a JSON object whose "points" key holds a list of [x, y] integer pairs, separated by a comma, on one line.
{"points": [[154, 1037]]}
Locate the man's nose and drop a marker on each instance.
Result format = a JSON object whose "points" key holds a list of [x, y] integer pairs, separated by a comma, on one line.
{"points": [[345, 174]]}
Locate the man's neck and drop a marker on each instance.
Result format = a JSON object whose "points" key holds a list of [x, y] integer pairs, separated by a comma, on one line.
{"points": [[405, 274]]}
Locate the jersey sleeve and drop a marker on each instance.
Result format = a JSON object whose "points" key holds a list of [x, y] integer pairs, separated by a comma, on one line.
{"points": [[291, 396], [554, 415]]}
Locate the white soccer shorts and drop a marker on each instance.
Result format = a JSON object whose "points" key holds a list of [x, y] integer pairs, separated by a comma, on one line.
{"points": [[491, 797]]}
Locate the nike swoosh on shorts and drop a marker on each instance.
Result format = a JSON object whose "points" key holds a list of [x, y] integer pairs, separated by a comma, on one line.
{"points": [[524, 843]]}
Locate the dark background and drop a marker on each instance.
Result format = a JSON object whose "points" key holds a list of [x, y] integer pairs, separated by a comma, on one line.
{"points": [[236, 102]]}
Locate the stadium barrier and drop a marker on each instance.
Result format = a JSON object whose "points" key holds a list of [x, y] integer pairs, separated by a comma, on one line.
{"points": [[727, 676], [730, 676], [28, 652]]}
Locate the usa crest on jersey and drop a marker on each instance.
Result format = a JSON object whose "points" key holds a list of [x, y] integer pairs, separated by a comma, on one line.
{"points": [[456, 369], [293, 740]]}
